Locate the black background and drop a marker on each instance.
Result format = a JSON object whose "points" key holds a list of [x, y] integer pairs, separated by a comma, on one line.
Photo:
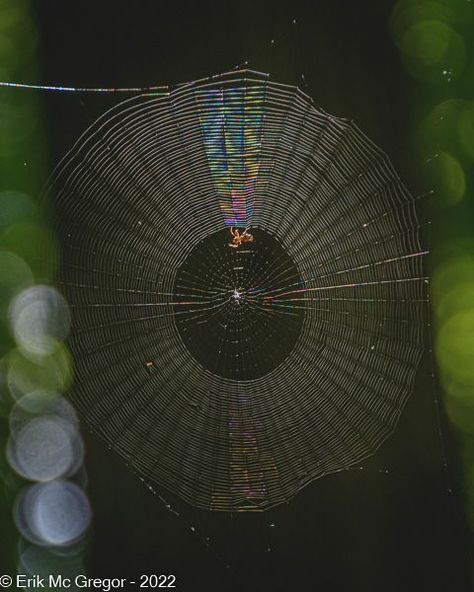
{"points": [[391, 526]]}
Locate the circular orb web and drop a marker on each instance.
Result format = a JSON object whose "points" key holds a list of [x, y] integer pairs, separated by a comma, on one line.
{"points": [[234, 388], [237, 331]]}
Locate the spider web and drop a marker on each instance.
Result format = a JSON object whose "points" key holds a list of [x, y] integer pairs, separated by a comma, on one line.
{"points": [[234, 377]]}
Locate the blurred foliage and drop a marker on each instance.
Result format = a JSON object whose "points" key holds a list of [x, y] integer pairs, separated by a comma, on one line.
{"points": [[28, 252], [436, 45], [50, 373]]}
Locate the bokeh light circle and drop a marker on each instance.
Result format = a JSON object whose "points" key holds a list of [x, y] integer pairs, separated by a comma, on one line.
{"points": [[39, 317], [433, 51], [15, 275], [56, 513], [44, 449], [43, 562], [51, 373]]}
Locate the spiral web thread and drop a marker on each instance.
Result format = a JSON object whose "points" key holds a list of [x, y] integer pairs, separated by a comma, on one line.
{"points": [[140, 194]]}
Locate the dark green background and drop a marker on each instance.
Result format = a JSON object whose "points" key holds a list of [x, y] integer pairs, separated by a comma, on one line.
{"points": [[363, 530]]}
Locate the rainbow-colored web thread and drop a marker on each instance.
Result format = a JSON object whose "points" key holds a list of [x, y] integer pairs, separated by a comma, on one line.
{"points": [[231, 122]]}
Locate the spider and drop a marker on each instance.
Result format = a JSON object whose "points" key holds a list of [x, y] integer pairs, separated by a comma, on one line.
{"points": [[238, 239]]}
